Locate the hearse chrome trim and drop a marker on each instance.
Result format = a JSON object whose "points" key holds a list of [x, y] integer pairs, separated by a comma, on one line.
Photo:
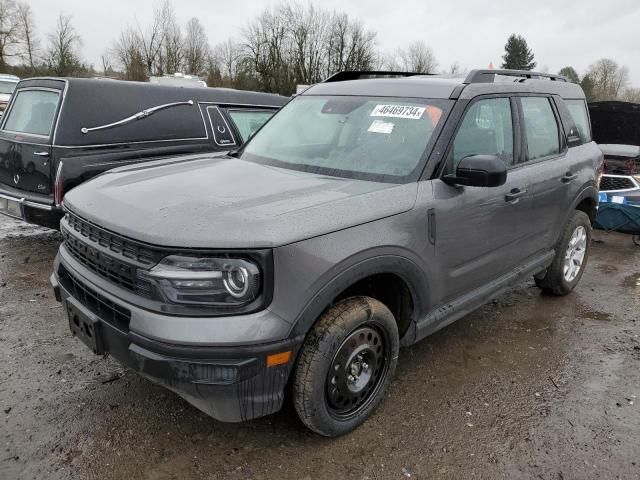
{"points": [[136, 116], [28, 203], [41, 206], [56, 184]]}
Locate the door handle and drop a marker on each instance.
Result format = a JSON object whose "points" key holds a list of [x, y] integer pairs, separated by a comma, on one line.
{"points": [[569, 177], [514, 195], [41, 154]]}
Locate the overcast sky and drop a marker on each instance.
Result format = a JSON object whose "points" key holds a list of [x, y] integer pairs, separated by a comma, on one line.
{"points": [[471, 32]]}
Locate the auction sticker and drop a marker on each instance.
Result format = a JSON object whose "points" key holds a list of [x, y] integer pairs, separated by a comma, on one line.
{"points": [[380, 126], [398, 111]]}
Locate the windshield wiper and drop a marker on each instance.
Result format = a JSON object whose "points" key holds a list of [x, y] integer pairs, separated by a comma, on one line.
{"points": [[136, 116]]}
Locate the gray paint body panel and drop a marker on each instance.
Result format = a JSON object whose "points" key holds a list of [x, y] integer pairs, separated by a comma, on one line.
{"points": [[224, 202]]}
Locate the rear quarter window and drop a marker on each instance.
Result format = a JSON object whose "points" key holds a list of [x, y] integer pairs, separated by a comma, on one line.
{"points": [[578, 111], [33, 112]]}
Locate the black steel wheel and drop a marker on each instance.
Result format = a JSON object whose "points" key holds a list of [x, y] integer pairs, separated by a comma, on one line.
{"points": [[356, 370], [345, 366]]}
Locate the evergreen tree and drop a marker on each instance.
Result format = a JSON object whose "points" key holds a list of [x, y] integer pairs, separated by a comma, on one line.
{"points": [[571, 74], [518, 56]]}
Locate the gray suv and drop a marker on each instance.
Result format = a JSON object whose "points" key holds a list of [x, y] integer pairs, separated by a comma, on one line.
{"points": [[371, 211]]}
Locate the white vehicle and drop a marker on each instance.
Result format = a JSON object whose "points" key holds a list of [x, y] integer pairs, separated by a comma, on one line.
{"points": [[179, 80], [7, 86]]}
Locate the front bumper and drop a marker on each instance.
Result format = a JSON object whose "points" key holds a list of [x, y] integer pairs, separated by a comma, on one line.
{"points": [[230, 383], [628, 190]]}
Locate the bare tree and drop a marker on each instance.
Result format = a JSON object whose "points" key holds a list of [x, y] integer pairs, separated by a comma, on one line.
{"points": [[10, 38], [609, 79], [308, 30], [268, 47], [172, 42], [350, 46], [196, 47], [417, 57], [631, 95], [152, 39], [129, 52], [228, 56], [455, 69], [27, 28], [62, 54]]}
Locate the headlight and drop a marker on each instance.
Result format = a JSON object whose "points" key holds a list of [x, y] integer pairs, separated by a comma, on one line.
{"points": [[207, 281]]}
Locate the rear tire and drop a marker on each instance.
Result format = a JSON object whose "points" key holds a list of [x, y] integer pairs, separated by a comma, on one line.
{"points": [[572, 253], [345, 366]]}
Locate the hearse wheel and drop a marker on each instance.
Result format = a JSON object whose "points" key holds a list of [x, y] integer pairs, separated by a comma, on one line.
{"points": [[345, 366], [572, 253]]}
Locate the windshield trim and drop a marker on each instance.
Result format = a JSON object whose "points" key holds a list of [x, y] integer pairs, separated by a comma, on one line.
{"points": [[443, 103]]}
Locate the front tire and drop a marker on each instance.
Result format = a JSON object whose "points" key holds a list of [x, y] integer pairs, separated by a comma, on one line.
{"points": [[572, 253], [345, 366]]}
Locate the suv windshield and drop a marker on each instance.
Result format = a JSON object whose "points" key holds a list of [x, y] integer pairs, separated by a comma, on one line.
{"points": [[369, 138]]}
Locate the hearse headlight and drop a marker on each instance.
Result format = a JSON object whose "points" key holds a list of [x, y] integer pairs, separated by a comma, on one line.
{"points": [[206, 281]]}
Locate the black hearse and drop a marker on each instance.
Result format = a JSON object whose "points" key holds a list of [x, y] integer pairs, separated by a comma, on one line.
{"points": [[60, 132]]}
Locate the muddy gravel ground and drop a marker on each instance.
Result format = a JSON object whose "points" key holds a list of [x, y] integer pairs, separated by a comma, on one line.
{"points": [[529, 386]]}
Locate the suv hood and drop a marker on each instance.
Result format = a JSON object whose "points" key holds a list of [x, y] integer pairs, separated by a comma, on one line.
{"points": [[616, 129], [224, 202], [615, 122]]}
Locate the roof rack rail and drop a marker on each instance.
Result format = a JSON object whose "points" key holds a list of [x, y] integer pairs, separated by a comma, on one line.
{"points": [[358, 75], [488, 76]]}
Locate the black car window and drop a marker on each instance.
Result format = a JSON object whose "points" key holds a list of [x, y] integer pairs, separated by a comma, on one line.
{"points": [[578, 110], [249, 121], [541, 128], [487, 129], [32, 112]]}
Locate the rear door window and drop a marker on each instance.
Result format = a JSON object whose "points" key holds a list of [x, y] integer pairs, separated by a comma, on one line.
{"points": [[578, 110], [249, 121], [33, 112], [541, 128]]}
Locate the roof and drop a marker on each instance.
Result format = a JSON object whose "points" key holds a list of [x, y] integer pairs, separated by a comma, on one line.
{"points": [[168, 92], [442, 86], [88, 103], [419, 86]]}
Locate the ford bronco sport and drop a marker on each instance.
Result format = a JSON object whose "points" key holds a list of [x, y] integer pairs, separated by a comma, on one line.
{"points": [[365, 215]]}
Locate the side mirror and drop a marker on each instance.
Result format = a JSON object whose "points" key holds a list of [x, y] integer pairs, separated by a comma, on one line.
{"points": [[479, 171]]}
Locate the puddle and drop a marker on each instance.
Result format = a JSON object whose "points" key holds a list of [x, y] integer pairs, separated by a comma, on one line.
{"points": [[631, 281], [606, 267], [586, 312]]}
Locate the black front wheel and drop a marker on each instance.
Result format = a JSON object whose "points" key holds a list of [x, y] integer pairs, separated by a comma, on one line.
{"points": [[345, 366]]}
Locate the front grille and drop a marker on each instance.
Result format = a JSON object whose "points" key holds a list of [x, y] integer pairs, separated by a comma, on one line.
{"points": [[119, 268], [115, 243], [608, 183], [100, 305]]}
